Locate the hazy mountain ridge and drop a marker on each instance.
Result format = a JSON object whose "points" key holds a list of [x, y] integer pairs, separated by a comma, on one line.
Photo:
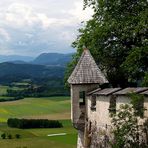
{"points": [[9, 58], [45, 67], [53, 59]]}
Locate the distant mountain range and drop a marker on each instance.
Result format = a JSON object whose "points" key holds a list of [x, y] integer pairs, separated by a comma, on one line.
{"points": [[50, 59], [45, 67], [10, 72], [4, 58]]}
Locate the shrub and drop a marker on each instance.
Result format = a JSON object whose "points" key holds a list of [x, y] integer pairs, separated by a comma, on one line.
{"points": [[3, 136], [9, 136], [17, 136], [127, 132]]}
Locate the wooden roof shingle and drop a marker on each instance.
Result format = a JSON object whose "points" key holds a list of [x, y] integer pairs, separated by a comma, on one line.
{"points": [[145, 92], [107, 91], [87, 71], [131, 90]]}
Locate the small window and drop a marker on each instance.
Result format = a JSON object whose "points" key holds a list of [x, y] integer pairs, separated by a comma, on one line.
{"points": [[112, 106], [93, 103], [82, 98]]}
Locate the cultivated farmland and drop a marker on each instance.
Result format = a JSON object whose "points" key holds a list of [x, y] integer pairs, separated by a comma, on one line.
{"points": [[53, 108]]}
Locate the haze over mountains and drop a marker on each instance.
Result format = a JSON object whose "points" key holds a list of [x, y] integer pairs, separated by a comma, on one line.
{"points": [[6, 58], [50, 59]]}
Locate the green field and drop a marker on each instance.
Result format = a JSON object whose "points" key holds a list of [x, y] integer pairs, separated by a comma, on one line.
{"points": [[49, 108], [3, 90], [57, 108]]}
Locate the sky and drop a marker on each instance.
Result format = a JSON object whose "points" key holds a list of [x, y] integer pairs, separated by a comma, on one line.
{"points": [[31, 27]]}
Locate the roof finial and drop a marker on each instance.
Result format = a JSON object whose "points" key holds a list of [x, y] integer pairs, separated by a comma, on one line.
{"points": [[84, 48]]}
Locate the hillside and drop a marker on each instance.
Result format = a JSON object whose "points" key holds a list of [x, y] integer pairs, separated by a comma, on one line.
{"points": [[10, 72], [30, 70], [52, 59]]}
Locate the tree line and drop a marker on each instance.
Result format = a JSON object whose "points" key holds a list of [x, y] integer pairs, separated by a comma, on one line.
{"points": [[33, 123]]}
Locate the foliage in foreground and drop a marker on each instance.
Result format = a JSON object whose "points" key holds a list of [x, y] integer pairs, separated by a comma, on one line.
{"points": [[128, 133], [117, 38]]}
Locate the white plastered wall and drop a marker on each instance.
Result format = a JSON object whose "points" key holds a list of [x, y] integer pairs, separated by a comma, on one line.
{"points": [[146, 106]]}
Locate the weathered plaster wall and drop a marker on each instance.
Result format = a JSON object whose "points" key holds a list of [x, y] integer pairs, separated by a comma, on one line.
{"points": [[101, 115], [98, 125], [122, 99], [91, 114], [76, 111], [80, 139], [100, 122], [146, 106], [75, 108], [102, 109]]}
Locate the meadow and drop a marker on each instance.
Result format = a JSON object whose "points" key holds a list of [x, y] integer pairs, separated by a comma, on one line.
{"points": [[53, 108]]}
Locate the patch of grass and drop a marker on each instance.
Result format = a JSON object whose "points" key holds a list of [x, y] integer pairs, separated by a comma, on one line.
{"points": [[37, 138], [3, 90]]}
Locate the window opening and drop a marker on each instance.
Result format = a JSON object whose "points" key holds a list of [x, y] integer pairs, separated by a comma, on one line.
{"points": [[93, 103], [82, 98], [112, 106]]}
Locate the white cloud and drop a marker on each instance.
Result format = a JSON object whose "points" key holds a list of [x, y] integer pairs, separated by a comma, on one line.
{"points": [[4, 35], [29, 25], [79, 13], [20, 15]]}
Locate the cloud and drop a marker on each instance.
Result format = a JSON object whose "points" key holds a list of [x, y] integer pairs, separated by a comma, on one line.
{"points": [[79, 13], [20, 15], [32, 27], [4, 35]]}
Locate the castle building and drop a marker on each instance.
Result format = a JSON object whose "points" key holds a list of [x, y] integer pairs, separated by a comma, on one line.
{"points": [[91, 106]]}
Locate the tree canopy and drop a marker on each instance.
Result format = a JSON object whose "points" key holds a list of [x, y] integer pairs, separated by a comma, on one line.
{"points": [[116, 36]]}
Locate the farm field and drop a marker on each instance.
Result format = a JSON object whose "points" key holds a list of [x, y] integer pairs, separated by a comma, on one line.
{"points": [[56, 108], [48, 108], [3, 90]]}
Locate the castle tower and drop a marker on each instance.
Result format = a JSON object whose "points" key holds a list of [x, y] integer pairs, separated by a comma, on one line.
{"points": [[85, 77]]}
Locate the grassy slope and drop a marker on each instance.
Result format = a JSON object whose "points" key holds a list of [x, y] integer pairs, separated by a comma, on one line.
{"points": [[37, 138], [50, 108], [53, 108]]}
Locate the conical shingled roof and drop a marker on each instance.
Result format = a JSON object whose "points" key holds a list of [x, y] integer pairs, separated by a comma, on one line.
{"points": [[87, 71]]}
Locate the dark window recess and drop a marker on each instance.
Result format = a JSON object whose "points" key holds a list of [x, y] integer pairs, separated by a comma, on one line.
{"points": [[93, 103], [112, 106], [82, 98]]}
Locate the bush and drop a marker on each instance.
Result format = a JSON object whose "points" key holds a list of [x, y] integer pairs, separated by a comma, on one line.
{"points": [[9, 136], [17, 136], [3, 136], [33, 123], [127, 132]]}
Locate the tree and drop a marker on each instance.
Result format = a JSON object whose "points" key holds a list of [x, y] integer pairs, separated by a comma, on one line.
{"points": [[9, 136], [117, 38]]}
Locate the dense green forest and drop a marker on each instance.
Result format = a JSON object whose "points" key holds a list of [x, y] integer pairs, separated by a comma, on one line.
{"points": [[40, 80]]}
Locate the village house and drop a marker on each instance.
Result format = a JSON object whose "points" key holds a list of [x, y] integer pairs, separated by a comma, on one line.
{"points": [[91, 106]]}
